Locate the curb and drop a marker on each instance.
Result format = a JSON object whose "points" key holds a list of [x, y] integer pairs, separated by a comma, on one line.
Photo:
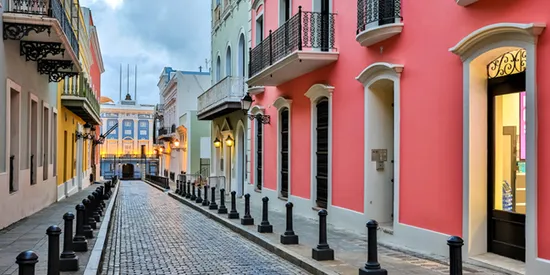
{"points": [[309, 265], [94, 263]]}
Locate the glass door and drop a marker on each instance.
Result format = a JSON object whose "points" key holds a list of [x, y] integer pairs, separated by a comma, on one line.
{"points": [[507, 187]]}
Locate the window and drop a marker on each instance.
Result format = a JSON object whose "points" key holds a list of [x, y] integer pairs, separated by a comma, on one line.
{"points": [[73, 157], [111, 123], [259, 29], [322, 153], [143, 132], [34, 139], [14, 120], [228, 64], [259, 155], [284, 11], [218, 69], [128, 132], [45, 141], [284, 143], [54, 144], [143, 124]]}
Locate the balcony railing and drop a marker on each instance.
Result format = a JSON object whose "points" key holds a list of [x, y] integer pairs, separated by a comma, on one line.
{"points": [[79, 87], [304, 30], [377, 13], [163, 131], [231, 88], [50, 8]]}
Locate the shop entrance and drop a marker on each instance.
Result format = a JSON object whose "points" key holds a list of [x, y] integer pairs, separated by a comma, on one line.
{"points": [[127, 171], [507, 154], [380, 136]]}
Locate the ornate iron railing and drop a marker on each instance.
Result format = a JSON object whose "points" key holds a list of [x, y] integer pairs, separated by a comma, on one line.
{"points": [[229, 89], [79, 86], [376, 13], [509, 63], [304, 30], [158, 180], [50, 8]]}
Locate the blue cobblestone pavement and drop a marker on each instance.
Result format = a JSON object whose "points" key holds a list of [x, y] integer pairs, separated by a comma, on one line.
{"points": [[153, 234]]}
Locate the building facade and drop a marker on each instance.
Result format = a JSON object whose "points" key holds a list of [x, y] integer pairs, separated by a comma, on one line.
{"points": [[361, 95], [221, 103], [78, 117], [179, 131], [29, 101], [131, 129]]}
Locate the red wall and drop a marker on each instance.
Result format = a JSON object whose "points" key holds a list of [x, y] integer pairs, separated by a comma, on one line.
{"points": [[431, 109]]}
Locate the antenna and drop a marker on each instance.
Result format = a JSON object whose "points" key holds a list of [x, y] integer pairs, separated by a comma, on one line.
{"points": [[135, 85], [120, 83], [128, 81]]}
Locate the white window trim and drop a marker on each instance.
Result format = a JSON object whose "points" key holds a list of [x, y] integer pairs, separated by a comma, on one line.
{"points": [[255, 110], [33, 97], [279, 14], [472, 46], [315, 93], [280, 103], [11, 85]]}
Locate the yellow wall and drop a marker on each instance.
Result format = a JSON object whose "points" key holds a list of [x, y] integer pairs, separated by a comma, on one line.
{"points": [[67, 120]]}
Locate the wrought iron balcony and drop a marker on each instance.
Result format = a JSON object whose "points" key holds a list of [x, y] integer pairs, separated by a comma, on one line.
{"points": [[302, 44], [46, 35], [222, 98], [378, 20], [78, 97]]}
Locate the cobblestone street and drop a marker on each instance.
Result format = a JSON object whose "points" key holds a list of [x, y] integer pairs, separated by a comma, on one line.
{"points": [[151, 234]]}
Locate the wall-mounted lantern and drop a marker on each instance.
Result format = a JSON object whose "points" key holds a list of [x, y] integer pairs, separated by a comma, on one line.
{"points": [[246, 103], [217, 143]]}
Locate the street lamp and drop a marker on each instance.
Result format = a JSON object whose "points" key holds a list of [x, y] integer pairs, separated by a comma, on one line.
{"points": [[176, 143], [217, 143], [246, 103], [229, 141]]}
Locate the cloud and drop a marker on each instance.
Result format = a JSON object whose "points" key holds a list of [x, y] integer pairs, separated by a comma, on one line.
{"points": [[151, 35]]}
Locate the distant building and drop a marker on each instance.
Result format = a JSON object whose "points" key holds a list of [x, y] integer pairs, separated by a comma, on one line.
{"points": [[121, 152]]}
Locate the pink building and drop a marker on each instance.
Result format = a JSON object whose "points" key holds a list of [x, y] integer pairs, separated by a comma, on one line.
{"points": [[423, 117]]}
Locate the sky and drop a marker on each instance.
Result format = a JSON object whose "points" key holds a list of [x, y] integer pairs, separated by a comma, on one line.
{"points": [[152, 35]]}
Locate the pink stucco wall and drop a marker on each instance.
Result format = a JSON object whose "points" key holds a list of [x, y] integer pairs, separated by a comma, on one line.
{"points": [[431, 109]]}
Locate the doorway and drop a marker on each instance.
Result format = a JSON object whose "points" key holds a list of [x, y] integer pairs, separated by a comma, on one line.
{"points": [[380, 142], [322, 143], [506, 176], [127, 171]]}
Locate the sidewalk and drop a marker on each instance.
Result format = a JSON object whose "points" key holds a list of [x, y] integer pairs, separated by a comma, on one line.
{"points": [[30, 234], [350, 249]]}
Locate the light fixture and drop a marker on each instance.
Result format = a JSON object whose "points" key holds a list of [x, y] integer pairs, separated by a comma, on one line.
{"points": [[176, 143], [217, 143], [86, 134], [246, 103], [87, 128], [161, 149], [229, 141]]}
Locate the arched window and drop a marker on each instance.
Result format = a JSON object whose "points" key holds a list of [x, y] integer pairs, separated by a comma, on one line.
{"points": [[218, 69], [228, 65], [241, 62]]}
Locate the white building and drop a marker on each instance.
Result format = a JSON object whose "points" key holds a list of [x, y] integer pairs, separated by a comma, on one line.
{"points": [[178, 128]]}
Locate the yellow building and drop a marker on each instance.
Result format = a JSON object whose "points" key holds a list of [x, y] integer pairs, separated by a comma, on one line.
{"points": [[79, 111]]}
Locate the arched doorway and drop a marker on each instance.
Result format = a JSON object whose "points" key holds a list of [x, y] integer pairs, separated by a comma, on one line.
{"points": [[127, 171]]}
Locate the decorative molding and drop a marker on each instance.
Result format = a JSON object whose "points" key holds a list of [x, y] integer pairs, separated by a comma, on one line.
{"points": [[34, 51], [376, 34], [256, 109], [16, 31], [48, 66], [523, 32], [465, 3], [317, 91], [378, 68], [254, 90], [282, 102]]}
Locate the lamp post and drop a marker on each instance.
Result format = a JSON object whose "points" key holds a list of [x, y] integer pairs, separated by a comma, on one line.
{"points": [[229, 143]]}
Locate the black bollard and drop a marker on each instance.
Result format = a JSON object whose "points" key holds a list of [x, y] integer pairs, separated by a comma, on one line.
{"points": [[289, 237], [101, 199], [79, 241], [193, 194], [68, 261], [199, 198], [455, 244], [89, 221], [106, 194], [247, 218], [99, 208], [205, 202], [95, 214], [323, 252], [177, 187], [372, 266], [26, 261], [182, 189], [53, 233], [264, 226], [188, 195], [233, 214], [213, 205], [222, 209]]}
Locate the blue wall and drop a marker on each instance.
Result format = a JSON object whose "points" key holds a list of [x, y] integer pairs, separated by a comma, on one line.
{"points": [[143, 125], [108, 169], [128, 129], [114, 133]]}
